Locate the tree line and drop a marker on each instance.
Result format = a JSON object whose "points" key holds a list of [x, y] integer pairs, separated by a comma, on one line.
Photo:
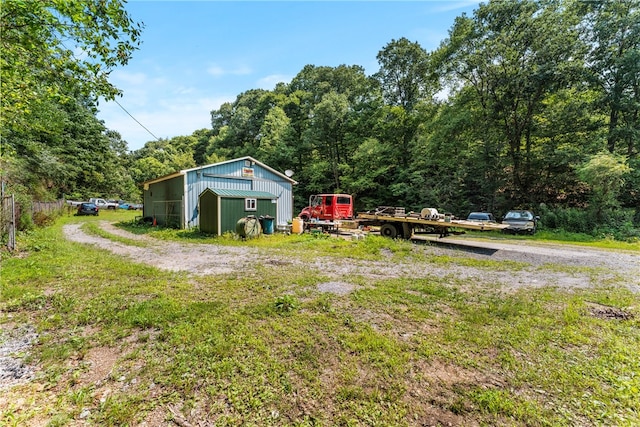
{"points": [[530, 104]]}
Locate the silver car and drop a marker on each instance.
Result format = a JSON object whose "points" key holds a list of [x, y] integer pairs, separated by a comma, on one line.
{"points": [[520, 222]]}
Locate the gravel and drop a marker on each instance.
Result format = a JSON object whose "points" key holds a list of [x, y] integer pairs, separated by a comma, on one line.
{"points": [[14, 345]]}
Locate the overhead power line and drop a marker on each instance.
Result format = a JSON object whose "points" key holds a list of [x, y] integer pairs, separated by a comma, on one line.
{"points": [[136, 120]]}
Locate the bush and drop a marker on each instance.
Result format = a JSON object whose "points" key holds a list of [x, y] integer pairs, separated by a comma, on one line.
{"points": [[43, 219], [620, 224]]}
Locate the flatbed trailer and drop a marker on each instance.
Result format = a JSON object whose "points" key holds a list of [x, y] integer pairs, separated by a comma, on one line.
{"points": [[401, 225]]}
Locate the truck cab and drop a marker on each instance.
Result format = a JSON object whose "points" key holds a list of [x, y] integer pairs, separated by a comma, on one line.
{"points": [[328, 207]]}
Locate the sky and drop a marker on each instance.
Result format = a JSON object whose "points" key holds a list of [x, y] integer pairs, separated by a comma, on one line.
{"points": [[197, 55]]}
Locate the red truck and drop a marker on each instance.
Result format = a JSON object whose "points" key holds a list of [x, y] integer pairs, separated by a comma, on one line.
{"points": [[328, 207]]}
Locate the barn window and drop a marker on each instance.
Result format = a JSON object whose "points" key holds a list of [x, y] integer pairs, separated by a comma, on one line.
{"points": [[250, 204]]}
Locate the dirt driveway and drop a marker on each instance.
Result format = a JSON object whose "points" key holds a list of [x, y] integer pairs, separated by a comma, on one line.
{"points": [[538, 265]]}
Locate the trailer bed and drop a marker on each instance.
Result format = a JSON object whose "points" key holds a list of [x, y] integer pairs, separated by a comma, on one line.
{"points": [[404, 225]]}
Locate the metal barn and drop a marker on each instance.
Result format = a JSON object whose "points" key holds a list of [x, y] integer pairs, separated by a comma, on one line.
{"points": [[213, 196]]}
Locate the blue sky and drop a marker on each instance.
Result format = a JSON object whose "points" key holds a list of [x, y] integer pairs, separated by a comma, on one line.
{"points": [[196, 55]]}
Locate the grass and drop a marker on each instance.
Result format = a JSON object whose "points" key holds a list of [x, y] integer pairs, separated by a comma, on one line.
{"points": [[95, 229], [267, 348]]}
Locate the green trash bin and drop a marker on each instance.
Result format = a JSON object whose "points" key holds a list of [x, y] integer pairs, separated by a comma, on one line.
{"points": [[267, 224]]}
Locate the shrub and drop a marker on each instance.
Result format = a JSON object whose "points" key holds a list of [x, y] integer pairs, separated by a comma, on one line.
{"points": [[620, 224]]}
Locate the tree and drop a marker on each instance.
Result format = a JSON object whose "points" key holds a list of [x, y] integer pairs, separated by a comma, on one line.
{"points": [[405, 81], [612, 30], [513, 54], [40, 60], [327, 133], [274, 133], [55, 63], [605, 175]]}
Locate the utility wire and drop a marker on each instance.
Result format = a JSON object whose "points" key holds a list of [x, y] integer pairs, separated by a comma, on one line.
{"points": [[116, 101], [136, 120]]}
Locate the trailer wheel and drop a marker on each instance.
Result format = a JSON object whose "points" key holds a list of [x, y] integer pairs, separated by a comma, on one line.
{"points": [[389, 230]]}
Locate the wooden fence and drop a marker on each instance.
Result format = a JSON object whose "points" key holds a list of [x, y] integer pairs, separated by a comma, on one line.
{"points": [[12, 211], [48, 207]]}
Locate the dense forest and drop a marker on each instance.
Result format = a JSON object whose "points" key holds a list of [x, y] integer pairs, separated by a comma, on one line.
{"points": [[529, 104]]}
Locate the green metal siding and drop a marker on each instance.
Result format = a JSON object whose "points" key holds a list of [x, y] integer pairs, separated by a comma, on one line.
{"points": [[209, 213], [163, 201], [232, 209]]}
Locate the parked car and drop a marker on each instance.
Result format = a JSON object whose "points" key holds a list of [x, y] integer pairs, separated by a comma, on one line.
{"points": [[88, 209], [102, 203], [129, 206], [520, 222], [481, 217]]}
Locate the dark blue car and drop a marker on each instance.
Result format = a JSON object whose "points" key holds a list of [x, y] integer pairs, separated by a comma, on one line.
{"points": [[87, 209]]}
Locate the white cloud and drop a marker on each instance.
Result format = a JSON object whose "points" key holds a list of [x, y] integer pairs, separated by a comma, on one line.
{"points": [[218, 71], [269, 82], [447, 6]]}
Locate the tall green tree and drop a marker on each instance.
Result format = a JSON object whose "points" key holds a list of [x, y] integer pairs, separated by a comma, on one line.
{"points": [[40, 44], [405, 80], [327, 133], [612, 29], [513, 54], [55, 60]]}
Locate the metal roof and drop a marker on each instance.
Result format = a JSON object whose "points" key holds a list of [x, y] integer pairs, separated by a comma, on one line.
{"points": [[182, 172], [242, 193], [241, 159]]}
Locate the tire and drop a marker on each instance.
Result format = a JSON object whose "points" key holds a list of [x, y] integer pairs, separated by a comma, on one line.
{"points": [[389, 230]]}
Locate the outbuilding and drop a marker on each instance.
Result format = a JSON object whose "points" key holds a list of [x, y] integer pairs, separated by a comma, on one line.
{"points": [[214, 197]]}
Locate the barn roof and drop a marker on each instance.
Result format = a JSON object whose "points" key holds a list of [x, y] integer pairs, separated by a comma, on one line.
{"points": [[184, 171]]}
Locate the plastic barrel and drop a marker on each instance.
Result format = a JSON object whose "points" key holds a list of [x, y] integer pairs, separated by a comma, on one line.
{"points": [[248, 227], [297, 226], [267, 224]]}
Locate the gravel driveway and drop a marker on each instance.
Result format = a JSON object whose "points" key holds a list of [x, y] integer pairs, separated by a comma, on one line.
{"points": [[542, 264]]}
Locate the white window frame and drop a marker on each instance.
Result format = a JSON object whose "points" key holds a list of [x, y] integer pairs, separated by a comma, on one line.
{"points": [[250, 204]]}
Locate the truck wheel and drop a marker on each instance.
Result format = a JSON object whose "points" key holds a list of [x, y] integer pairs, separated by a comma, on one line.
{"points": [[388, 230]]}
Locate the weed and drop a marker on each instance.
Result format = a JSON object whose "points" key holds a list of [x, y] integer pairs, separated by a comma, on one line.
{"points": [[285, 304]]}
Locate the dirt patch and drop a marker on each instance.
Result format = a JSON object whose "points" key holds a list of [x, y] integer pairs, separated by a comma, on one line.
{"points": [[99, 362], [337, 288], [607, 312]]}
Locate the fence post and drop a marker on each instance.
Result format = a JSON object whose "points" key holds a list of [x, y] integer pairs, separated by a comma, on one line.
{"points": [[12, 226], [8, 220]]}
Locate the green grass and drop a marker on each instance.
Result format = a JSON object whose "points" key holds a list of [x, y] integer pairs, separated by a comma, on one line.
{"points": [[267, 348], [95, 229]]}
